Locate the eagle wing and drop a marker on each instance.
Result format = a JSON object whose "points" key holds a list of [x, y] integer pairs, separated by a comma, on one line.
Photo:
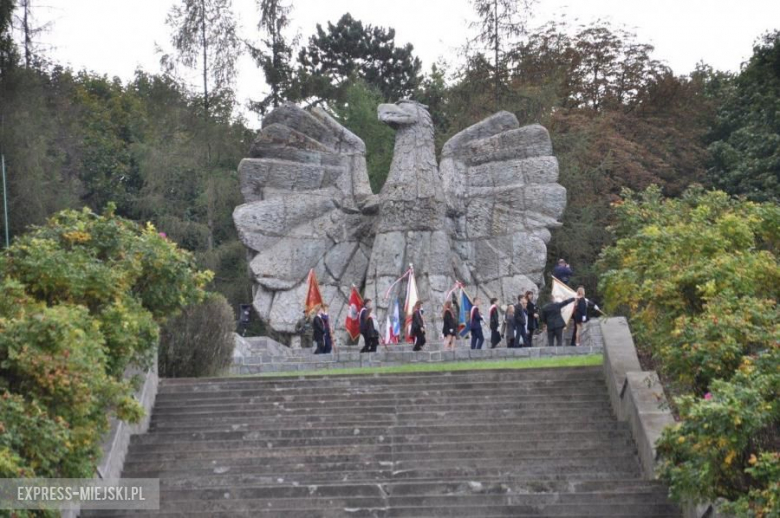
{"points": [[307, 204], [503, 197]]}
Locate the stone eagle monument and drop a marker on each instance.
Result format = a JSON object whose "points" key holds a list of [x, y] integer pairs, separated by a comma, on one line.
{"points": [[482, 216]]}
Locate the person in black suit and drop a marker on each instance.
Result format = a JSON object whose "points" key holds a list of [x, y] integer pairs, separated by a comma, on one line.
{"points": [[418, 327], [364, 330], [318, 331], [521, 337], [552, 318], [532, 315], [475, 326], [372, 331], [495, 336]]}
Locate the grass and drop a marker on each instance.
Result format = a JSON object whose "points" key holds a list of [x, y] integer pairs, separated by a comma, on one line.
{"points": [[521, 363]]}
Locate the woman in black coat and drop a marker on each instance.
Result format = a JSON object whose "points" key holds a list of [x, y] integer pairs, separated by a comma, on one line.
{"points": [[580, 315], [418, 327], [450, 326]]}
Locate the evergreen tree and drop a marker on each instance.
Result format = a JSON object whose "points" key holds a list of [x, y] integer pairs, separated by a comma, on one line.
{"points": [[275, 55], [205, 37], [350, 49], [500, 23], [745, 144]]}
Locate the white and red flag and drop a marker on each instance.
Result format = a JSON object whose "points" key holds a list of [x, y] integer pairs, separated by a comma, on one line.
{"points": [[353, 315], [411, 300]]}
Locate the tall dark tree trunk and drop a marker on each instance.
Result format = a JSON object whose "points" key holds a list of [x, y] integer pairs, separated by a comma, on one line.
{"points": [[496, 47], [210, 202], [27, 33]]}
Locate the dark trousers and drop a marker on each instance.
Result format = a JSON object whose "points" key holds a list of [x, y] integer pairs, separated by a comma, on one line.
{"points": [[555, 334], [318, 347], [419, 341], [495, 338], [369, 344], [477, 339], [530, 338]]}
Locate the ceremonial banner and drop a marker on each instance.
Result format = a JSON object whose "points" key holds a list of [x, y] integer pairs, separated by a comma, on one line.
{"points": [[411, 300], [313, 295], [464, 315], [353, 315], [562, 292], [393, 327]]}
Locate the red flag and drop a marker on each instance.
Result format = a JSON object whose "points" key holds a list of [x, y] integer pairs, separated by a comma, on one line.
{"points": [[313, 295], [353, 315]]}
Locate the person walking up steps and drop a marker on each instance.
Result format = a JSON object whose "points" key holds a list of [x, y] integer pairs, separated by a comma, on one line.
{"points": [[495, 335], [364, 330], [552, 318], [450, 326], [477, 338], [418, 327], [509, 326]]}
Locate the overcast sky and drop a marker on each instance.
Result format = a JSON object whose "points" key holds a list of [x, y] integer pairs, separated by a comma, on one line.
{"points": [[115, 37]]}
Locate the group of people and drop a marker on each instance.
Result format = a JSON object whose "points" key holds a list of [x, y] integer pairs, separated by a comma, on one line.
{"points": [[518, 326]]}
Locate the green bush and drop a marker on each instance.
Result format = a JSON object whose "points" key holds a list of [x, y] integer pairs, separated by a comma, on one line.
{"points": [[198, 341], [700, 279], [726, 444], [81, 299]]}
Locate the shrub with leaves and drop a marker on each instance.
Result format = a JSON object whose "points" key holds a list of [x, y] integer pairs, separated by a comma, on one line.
{"points": [[81, 299], [700, 279], [726, 445], [198, 341]]}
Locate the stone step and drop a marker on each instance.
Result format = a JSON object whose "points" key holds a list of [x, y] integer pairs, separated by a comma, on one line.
{"points": [[160, 442], [524, 430], [385, 452], [299, 421], [418, 487], [520, 426], [250, 498], [366, 380], [615, 464], [398, 407], [370, 461], [259, 423], [496, 389], [304, 509]]}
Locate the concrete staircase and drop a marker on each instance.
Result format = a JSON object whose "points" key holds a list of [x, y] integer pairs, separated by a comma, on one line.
{"points": [[520, 443]]}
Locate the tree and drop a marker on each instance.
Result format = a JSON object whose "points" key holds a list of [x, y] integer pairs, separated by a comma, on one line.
{"points": [[205, 36], [347, 50], [699, 278], [7, 48], [275, 59], [745, 142], [358, 113], [500, 21], [30, 31]]}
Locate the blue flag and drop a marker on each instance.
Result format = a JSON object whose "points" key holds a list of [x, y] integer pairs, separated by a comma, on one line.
{"points": [[464, 315]]}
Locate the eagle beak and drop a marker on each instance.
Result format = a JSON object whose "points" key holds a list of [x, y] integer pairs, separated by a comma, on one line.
{"points": [[393, 115]]}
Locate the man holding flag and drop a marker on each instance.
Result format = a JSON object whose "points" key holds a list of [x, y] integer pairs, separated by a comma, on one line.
{"points": [[557, 313]]}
